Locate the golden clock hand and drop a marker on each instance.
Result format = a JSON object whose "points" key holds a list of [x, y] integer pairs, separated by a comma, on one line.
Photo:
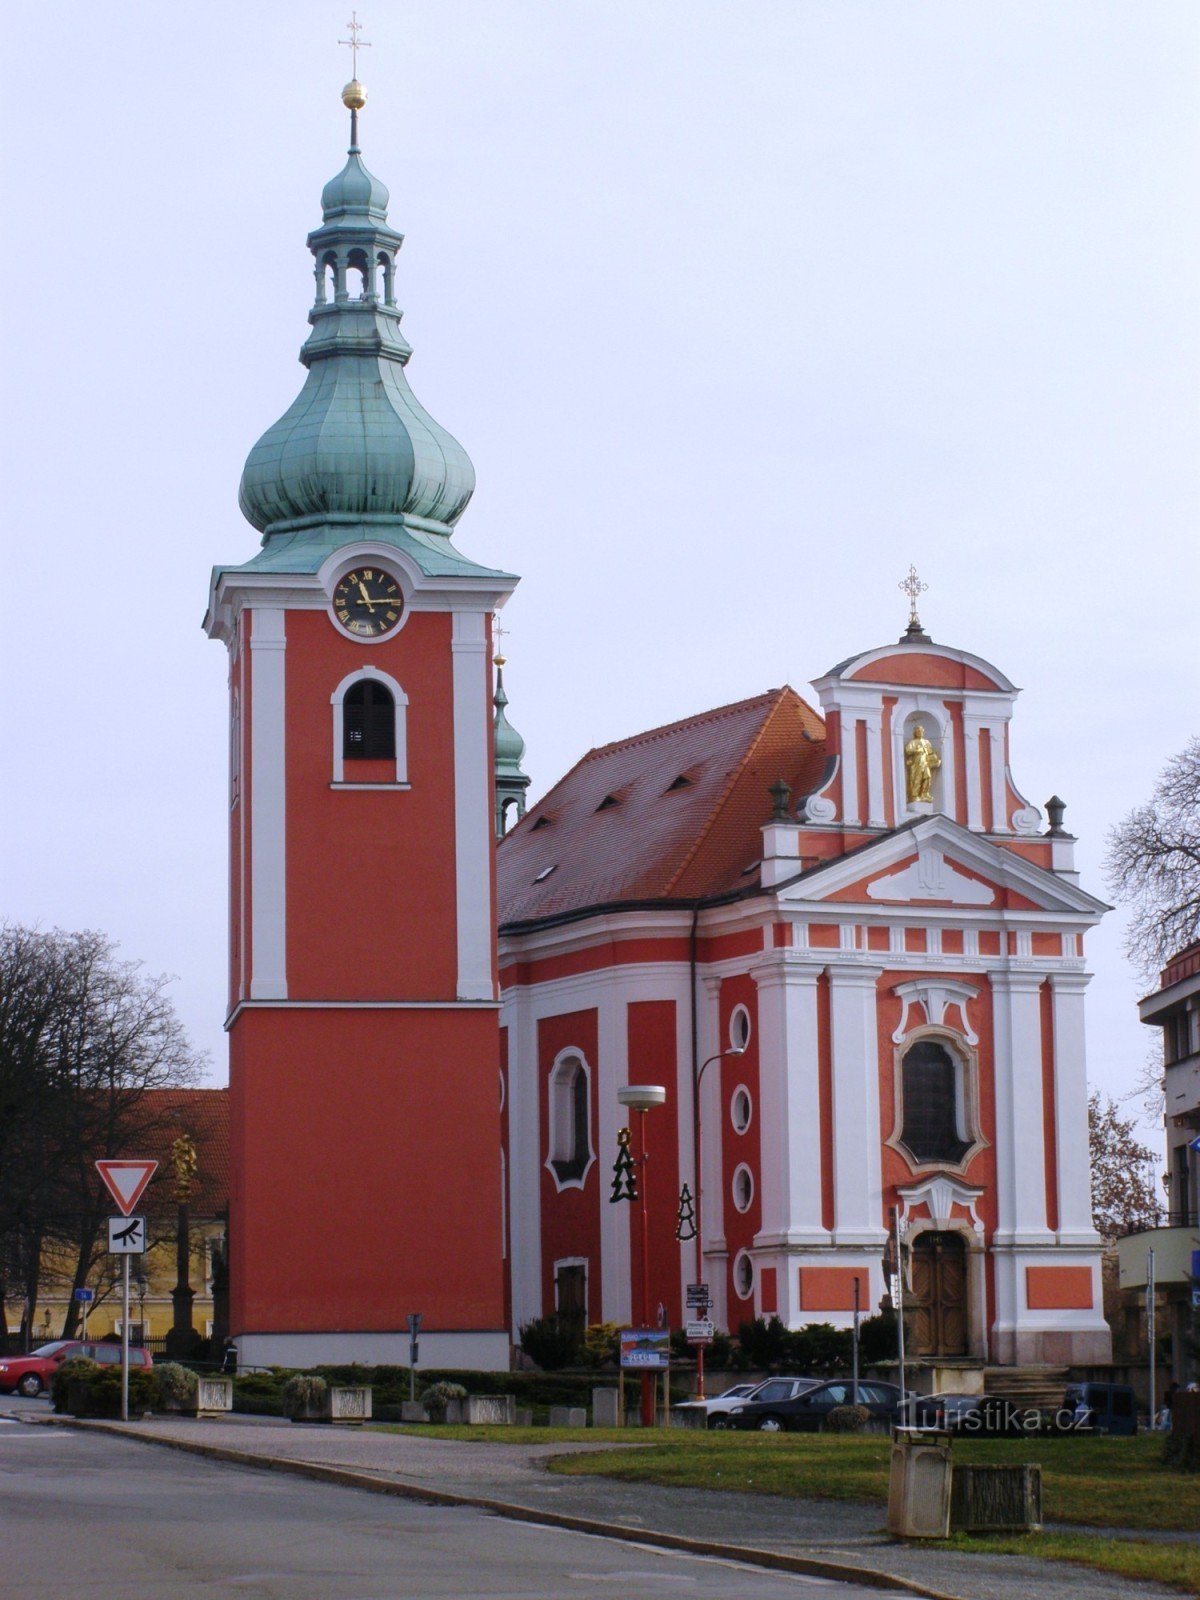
{"points": [[362, 589]]}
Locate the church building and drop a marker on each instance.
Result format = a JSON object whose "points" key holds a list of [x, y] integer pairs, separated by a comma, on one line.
{"points": [[853, 955], [843, 943]]}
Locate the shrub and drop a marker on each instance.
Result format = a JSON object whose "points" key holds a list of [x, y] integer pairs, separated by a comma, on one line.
{"points": [[176, 1385], [438, 1396], [601, 1344], [553, 1341], [820, 1349], [878, 1338], [78, 1367], [763, 1344], [847, 1419], [302, 1392]]}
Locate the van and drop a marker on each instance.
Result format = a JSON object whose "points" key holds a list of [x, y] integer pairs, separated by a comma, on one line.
{"points": [[1111, 1407]]}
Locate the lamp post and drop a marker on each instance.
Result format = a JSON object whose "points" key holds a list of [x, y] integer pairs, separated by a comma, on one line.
{"points": [[642, 1097], [736, 1050]]}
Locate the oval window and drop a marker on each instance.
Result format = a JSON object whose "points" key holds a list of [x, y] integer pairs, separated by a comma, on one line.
{"points": [[743, 1188], [743, 1275], [741, 1109], [739, 1028]]}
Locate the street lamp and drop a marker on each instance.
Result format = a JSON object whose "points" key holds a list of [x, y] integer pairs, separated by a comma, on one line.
{"points": [[721, 1055], [643, 1097]]}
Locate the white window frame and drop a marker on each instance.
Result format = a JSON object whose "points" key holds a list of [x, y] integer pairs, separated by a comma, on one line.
{"points": [[560, 1118], [399, 700]]}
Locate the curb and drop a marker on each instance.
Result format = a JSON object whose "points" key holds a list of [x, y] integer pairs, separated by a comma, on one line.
{"points": [[749, 1555]]}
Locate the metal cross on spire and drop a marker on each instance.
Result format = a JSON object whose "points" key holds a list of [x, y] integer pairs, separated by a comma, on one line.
{"points": [[499, 635], [912, 587], [354, 27]]}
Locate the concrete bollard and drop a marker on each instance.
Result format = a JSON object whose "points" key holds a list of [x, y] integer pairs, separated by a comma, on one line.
{"points": [[606, 1410], [568, 1417]]}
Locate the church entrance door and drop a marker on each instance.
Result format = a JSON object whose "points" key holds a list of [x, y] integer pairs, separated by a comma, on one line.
{"points": [[939, 1294]]}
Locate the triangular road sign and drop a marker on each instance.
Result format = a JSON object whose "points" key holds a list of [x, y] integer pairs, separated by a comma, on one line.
{"points": [[125, 1180]]}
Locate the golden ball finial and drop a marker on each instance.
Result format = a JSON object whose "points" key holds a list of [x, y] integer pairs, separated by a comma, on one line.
{"points": [[354, 96]]}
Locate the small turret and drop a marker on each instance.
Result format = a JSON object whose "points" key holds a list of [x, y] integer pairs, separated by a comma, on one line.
{"points": [[511, 781]]}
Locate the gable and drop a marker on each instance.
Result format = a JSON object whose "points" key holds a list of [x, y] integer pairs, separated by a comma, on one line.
{"points": [[935, 862]]}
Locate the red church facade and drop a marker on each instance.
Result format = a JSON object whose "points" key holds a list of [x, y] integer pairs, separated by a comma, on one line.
{"points": [[902, 982]]}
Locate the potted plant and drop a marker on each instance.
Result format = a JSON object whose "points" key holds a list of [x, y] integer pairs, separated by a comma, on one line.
{"points": [[443, 1401], [176, 1387], [303, 1397]]}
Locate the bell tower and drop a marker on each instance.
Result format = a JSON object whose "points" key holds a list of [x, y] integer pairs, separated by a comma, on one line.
{"points": [[363, 1015]]}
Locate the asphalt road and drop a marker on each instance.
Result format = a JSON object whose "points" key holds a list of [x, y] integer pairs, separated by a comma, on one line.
{"points": [[86, 1513]]}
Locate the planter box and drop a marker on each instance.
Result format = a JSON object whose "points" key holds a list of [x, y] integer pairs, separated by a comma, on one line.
{"points": [[413, 1411], [568, 1416], [347, 1405], [213, 1397], [490, 1408], [996, 1499]]}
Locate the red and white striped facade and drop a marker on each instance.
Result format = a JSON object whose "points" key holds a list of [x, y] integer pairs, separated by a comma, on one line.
{"points": [[654, 913], [363, 992]]}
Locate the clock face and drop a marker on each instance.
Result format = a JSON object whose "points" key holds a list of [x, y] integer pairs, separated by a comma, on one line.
{"points": [[368, 603]]}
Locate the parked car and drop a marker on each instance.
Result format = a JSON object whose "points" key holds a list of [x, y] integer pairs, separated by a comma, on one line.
{"points": [[946, 1410], [1106, 1407], [719, 1403], [772, 1391], [30, 1374], [805, 1411]]}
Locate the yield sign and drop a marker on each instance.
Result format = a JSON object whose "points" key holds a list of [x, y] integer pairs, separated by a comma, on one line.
{"points": [[125, 1180]]}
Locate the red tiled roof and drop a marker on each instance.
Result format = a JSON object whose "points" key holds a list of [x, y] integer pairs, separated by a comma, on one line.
{"points": [[204, 1114], [657, 842]]}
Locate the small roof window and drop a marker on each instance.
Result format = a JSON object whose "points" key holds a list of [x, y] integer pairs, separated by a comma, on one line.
{"points": [[608, 802], [681, 782], [542, 822], [545, 873]]}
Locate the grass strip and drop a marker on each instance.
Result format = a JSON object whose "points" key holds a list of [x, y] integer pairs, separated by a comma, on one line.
{"points": [[1177, 1565]]}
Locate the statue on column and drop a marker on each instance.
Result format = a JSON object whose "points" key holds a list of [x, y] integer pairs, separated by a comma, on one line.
{"points": [[921, 761]]}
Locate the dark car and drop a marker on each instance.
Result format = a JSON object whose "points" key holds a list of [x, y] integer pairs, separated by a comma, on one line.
{"points": [[1104, 1407], [30, 1374], [948, 1410], [806, 1411], [772, 1391]]}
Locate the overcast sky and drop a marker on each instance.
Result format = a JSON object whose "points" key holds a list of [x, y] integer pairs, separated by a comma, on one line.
{"points": [[738, 309]]}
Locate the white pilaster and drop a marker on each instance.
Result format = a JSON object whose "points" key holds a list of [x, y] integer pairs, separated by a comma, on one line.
{"points": [[524, 1159], [857, 1135], [1071, 1109], [612, 1068], [1000, 823], [268, 805], [789, 1096], [473, 828], [877, 814], [1020, 1145], [850, 766], [971, 726]]}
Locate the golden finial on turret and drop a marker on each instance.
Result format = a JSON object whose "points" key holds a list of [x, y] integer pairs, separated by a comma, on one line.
{"points": [[354, 96]]}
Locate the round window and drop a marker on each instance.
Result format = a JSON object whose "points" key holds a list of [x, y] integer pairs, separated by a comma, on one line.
{"points": [[743, 1188], [743, 1275], [739, 1028], [741, 1109]]}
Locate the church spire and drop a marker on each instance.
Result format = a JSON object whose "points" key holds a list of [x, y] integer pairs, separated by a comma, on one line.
{"points": [[511, 781], [356, 445]]}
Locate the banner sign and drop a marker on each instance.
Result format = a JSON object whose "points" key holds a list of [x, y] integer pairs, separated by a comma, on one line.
{"points": [[646, 1348]]}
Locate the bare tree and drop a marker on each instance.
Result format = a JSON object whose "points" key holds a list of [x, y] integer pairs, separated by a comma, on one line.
{"points": [[1153, 864], [83, 1037], [1125, 1192]]}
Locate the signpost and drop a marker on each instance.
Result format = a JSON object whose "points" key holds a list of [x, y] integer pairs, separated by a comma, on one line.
{"points": [[85, 1297], [414, 1328], [700, 1332], [126, 1181]]}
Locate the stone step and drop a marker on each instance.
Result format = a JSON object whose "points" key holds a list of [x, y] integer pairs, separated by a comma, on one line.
{"points": [[1041, 1386]]}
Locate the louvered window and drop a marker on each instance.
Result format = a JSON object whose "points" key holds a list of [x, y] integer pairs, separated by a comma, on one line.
{"points": [[931, 1106], [368, 723]]}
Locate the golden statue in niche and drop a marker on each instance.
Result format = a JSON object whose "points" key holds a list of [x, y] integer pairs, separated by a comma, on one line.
{"points": [[921, 761]]}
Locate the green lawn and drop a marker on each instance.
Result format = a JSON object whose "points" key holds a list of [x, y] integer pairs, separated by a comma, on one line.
{"points": [[1113, 1483]]}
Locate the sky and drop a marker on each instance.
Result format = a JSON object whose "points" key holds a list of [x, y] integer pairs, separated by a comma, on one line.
{"points": [[738, 308]]}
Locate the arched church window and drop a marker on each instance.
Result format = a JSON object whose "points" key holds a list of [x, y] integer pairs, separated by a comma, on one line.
{"points": [[359, 274], [570, 1120], [933, 1123], [368, 722]]}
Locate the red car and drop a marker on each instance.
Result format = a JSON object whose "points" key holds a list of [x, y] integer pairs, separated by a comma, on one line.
{"points": [[30, 1374]]}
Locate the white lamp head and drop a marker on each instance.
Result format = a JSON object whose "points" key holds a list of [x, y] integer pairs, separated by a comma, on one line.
{"points": [[642, 1096]]}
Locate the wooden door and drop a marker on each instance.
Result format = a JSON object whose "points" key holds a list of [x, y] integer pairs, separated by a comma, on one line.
{"points": [[939, 1294]]}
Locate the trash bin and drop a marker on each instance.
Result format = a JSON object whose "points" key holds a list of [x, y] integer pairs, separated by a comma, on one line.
{"points": [[919, 1484]]}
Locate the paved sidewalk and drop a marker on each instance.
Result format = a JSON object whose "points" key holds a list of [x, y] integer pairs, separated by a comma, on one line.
{"points": [[848, 1535]]}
